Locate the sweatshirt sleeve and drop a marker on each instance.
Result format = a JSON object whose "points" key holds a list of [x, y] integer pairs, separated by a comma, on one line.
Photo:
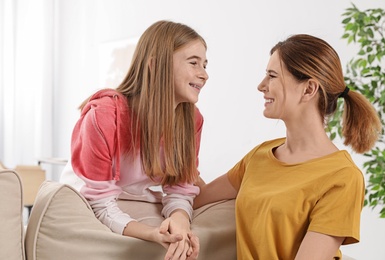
{"points": [[108, 212], [179, 196], [93, 147], [93, 144]]}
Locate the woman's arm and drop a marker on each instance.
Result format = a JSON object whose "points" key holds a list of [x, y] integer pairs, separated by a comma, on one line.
{"points": [[218, 189], [200, 183], [317, 246]]}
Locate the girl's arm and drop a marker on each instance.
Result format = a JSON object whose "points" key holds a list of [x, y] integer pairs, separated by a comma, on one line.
{"points": [[317, 246], [218, 189], [177, 209]]}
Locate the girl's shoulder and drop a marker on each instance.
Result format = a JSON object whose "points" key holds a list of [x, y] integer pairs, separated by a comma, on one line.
{"points": [[198, 118], [108, 96], [106, 100]]}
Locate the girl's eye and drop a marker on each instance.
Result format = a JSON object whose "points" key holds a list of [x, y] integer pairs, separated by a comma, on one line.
{"points": [[195, 63]]}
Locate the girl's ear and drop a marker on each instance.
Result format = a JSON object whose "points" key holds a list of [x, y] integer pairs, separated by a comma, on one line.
{"points": [[311, 89]]}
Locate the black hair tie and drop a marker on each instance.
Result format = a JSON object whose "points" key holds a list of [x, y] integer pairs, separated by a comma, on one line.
{"points": [[344, 93]]}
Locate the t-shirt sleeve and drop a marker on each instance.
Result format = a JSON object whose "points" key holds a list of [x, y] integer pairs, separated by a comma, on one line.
{"points": [[338, 210], [235, 175]]}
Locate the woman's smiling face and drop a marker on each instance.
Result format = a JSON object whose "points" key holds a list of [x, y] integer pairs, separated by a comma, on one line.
{"points": [[282, 92]]}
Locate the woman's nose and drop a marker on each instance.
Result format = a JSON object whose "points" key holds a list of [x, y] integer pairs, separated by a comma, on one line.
{"points": [[262, 86]]}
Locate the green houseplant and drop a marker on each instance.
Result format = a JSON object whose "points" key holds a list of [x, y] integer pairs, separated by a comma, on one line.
{"points": [[365, 73]]}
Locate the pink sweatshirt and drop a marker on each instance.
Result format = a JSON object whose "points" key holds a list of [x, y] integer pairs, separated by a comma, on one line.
{"points": [[103, 170]]}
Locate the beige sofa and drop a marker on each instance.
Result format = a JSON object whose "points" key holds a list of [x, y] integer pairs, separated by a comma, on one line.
{"points": [[63, 226], [11, 217]]}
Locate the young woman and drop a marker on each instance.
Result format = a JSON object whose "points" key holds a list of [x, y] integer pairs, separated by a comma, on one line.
{"points": [[300, 197], [146, 133]]}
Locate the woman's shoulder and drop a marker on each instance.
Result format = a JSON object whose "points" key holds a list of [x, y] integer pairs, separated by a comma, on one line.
{"points": [[265, 147], [271, 143], [344, 160]]}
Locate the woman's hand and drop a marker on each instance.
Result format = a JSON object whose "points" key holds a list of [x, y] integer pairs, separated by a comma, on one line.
{"points": [[188, 247]]}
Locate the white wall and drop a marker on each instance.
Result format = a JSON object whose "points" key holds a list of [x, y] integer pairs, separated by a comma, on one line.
{"points": [[239, 36]]}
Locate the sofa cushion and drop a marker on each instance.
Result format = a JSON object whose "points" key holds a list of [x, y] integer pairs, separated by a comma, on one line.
{"points": [[11, 216], [214, 224], [63, 226]]}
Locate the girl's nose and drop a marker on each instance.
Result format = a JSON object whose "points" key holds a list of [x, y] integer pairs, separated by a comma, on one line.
{"points": [[203, 74]]}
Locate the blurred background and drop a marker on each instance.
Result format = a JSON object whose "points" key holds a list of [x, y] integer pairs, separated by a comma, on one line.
{"points": [[55, 53]]}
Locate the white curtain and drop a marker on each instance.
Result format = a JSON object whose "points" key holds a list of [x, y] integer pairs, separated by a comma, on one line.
{"points": [[26, 80]]}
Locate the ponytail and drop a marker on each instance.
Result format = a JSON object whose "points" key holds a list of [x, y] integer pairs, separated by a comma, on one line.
{"points": [[361, 125]]}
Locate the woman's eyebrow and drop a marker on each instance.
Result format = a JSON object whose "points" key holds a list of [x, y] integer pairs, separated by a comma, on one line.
{"points": [[272, 71]]}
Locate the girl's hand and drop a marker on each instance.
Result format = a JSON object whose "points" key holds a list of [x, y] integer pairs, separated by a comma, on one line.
{"points": [[178, 223], [165, 238], [149, 233], [193, 252]]}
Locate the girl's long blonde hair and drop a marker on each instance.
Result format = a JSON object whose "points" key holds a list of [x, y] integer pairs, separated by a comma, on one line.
{"points": [[160, 130]]}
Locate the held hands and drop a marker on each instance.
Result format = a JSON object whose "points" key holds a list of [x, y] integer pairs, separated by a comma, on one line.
{"points": [[173, 234], [187, 245]]}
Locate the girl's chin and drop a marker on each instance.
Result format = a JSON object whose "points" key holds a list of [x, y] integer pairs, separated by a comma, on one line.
{"points": [[188, 101], [192, 100]]}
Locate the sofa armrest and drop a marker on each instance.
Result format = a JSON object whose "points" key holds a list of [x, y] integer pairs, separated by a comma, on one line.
{"points": [[11, 216]]}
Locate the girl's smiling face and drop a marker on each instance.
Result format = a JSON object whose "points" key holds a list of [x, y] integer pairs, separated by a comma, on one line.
{"points": [[189, 72]]}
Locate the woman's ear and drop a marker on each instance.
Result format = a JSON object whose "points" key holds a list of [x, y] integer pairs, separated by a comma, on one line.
{"points": [[311, 90]]}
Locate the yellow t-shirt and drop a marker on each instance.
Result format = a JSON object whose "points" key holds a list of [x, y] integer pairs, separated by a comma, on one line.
{"points": [[278, 203]]}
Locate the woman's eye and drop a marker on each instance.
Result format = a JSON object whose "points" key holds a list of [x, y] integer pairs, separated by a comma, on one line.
{"points": [[193, 63]]}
